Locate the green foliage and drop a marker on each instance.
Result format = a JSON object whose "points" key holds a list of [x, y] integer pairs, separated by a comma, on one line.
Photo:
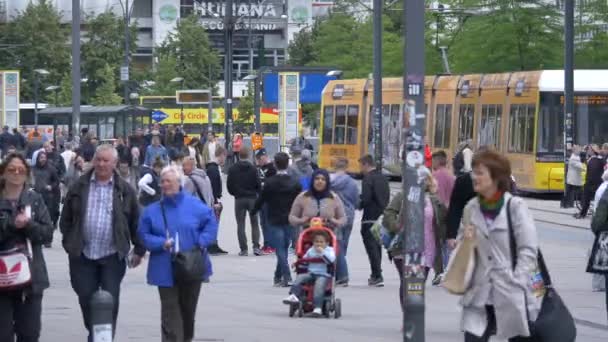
{"points": [[106, 91], [104, 45], [311, 113], [63, 97], [189, 54], [40, 42], [245, 108]]}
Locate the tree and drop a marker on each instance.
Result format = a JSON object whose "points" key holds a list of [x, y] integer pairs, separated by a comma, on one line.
{"points": [[592, 48], [104, 45], [311, 113], [64, 93], [106, 91], [245, 108], [189, 52], [300, 50], [508, 36], [36, 40]]}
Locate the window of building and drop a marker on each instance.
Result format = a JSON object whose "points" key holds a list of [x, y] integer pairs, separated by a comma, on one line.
{"points": [[466, 113], [443, 121], [521, 128], [489, 126], [328, 124], [142, 9]]}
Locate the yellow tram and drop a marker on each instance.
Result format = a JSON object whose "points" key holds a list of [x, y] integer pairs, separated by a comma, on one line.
{"points": [[517, 113]]}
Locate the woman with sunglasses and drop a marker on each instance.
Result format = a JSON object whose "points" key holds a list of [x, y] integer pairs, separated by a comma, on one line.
{"points": [[25, 225]]}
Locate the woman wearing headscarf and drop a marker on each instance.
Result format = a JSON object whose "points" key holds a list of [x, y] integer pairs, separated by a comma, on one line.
{"points": [[318, 201]]}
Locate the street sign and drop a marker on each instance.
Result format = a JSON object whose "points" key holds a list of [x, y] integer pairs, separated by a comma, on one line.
{"points": [[159, 115], [193, 96], [124, 73]]}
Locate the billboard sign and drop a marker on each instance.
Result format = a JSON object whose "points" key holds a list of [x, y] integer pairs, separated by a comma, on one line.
{"points": [[9, 102]]}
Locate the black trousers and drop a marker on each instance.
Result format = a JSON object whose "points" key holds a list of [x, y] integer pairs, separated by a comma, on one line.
{"points": [[20, 316], [88, 276], [588, 193], [241, 207], [373, 249], [178, 311], [572, 192], [491, 330]]}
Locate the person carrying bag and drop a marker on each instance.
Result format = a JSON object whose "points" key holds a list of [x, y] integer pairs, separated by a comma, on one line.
{"points": [[598, 259]]}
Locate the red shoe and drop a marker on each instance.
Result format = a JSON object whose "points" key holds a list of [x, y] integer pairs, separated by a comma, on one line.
{"points": [[268, 250]]}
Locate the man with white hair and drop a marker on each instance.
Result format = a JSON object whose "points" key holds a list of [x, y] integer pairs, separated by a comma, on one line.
{"points": [[99, 226]]}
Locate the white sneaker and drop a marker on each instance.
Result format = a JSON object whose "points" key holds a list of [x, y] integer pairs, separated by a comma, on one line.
{"points": [[317, 312], [291, 299]]}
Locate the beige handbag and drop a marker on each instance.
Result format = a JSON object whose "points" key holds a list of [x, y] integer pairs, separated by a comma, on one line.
{"points": [[461, 266]]}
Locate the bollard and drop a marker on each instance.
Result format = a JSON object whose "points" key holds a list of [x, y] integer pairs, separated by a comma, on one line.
{"points": [[102, 306]]}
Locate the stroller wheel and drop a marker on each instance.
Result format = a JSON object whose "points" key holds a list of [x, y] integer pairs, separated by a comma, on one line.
{"points": [[292, 309], [337, 308], [300, 310], [327, 308]]}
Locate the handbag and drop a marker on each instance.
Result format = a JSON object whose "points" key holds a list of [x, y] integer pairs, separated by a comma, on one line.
{"points": [[554, 322], [15, 268], [598, 259], [188, 266], [461, 267]]}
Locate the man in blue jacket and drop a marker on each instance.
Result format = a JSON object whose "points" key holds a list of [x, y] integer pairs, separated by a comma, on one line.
{"points": [[178, 222]]}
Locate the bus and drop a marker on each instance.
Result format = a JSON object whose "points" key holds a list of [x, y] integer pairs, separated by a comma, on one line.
{"points": [[519, 114], [196, 116]]}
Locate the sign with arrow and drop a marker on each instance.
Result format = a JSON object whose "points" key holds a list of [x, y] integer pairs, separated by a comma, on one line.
{"points": [[159, 115]]}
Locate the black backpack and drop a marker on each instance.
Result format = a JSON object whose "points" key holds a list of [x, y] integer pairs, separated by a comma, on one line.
{"points": [[458, 162]]}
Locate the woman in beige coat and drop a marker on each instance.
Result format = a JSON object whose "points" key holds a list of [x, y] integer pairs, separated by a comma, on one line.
{"points": [[498, 297], [319, 201]]}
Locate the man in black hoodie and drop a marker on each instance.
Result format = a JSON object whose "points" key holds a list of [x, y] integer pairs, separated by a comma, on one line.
{"points": [[266, 170], [244, 184], [215, 177], [277, 196], [593, 178], [375, 194]]}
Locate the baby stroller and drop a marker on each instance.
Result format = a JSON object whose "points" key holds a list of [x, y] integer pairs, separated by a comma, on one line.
{"points": [[331, 304]]}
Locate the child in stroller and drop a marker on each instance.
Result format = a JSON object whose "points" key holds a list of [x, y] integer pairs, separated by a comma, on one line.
{"points": [[313, 289]]}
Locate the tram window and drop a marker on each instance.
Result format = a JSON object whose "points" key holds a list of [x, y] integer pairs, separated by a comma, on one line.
{"points": [[352, 125], [465, 122], [443, 122], [489, 126], [340, 125], [521, 129], [328, 124]]}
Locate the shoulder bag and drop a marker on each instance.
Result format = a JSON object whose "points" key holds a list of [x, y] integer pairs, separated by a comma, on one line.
{"points": [[554, 322], [461, 266], [188, 266], [15, 265]]}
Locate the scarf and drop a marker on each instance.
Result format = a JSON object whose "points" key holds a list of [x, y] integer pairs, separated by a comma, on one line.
{"points": [[319, 195], [490, 207]]}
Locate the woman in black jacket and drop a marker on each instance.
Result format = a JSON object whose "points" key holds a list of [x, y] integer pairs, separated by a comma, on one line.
{"points": [[46, 183], [23, 218]]}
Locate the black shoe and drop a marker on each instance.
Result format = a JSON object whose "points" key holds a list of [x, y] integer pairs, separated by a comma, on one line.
{"points": [[277, 282], [48, 245], [220, 250], [437, 279], [257, 252], [243, 253], [377, 282], [579, 216], [216, 250], [342, 282]]}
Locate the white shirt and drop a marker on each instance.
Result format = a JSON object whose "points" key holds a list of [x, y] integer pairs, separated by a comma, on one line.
{"points": [[212, 147], [599, 193], [67, 156]]}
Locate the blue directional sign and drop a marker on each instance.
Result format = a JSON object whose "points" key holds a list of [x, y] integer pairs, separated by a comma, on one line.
{"points": [[159, 115]]}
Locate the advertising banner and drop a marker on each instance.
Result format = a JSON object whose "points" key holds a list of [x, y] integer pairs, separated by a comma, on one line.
{"points": [[9, 102], [289, 104]]}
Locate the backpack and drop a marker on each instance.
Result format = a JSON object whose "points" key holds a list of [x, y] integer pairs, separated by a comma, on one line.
{"points": [[305, 183], [458, 162], [349, 210]]}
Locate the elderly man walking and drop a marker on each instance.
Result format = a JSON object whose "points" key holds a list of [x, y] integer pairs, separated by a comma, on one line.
{"points": [[99, 225]]}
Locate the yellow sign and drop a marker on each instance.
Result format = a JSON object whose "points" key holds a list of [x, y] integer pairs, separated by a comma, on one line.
{"points": [[257, 141], [199, 116]]}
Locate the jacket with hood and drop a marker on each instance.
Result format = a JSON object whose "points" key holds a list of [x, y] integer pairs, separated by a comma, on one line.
{"points": [[346, 187], [243, 181], [213, 172], [198, 185], [278, 193], [375, 195]]}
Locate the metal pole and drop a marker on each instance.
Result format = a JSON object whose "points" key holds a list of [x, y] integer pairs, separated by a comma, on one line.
{"points": [[36, 86], [256, 104], [210, 105], [75, 67], [127, 38], [568, 85], [412, 210], [182, 108], [229, 27], [249, 43], [378, 5]]}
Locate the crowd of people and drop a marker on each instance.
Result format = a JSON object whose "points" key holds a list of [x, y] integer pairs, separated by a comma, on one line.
{"points": [[153, 193]]}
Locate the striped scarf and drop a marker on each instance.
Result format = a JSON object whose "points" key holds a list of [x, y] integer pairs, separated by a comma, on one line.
{"points": [[490, 207]]}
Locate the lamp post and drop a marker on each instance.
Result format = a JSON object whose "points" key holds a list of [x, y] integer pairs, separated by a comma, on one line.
{"points": [[256, 100], [568, 86], [181, 81], [56, 90], [124, 70], [37, 72], [378, 6], [228, 35]]}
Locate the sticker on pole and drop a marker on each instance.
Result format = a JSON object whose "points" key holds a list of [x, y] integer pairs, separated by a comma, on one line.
{"points": [[414, 158], [102, 333], [159, 115]]}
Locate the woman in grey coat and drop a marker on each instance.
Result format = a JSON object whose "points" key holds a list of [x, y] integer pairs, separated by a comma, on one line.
{"points": [[499, 299]]}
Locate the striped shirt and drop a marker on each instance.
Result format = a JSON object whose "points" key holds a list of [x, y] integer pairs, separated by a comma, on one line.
{"points": [[98, 230]]}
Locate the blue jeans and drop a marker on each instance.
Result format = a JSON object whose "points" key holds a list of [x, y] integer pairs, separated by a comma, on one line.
{"points": [[341, 265], [264, 223], [319, 289], [281, 238]]}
